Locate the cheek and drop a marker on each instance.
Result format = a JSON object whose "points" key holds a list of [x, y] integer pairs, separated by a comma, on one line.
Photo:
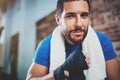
{"points": [[85, 24], [69, 24]]}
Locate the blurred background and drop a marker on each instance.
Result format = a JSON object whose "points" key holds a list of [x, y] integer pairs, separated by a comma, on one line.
{"points": [[24, 23]]}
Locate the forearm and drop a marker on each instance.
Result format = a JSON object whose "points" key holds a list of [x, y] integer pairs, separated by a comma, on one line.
{"points": [[46, 77], [113, 69]]}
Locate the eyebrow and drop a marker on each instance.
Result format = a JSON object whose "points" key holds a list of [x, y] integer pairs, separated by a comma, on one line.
{"points": [[86, 13], [69, 13]]}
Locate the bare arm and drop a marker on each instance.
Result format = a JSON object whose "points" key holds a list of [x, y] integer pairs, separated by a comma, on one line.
{"points": [[113, 69], [38, 72]]}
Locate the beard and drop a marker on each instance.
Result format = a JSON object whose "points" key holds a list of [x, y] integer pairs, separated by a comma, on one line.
{"points": [[75, 39]]}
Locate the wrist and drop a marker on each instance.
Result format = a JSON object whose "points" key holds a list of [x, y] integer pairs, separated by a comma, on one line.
{"points": [[59, 73], [50, 76]]}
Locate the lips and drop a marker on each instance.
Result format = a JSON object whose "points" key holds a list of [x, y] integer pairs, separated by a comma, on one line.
{"points": [[78, 32]]}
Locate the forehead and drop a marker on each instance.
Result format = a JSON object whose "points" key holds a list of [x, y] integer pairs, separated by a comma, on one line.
{"points": [[76, 6]]}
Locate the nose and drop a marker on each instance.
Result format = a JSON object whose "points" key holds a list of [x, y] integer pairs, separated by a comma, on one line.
{"points": [[79, 21]]}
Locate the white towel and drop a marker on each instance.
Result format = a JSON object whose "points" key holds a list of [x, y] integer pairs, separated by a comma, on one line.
{"points": [[90, 45]]}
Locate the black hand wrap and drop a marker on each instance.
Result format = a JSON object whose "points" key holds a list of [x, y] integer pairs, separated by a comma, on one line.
{"points": [[74, 64]]}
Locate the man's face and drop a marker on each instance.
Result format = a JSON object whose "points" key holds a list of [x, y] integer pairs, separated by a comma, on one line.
{"points": [[74, 21]]}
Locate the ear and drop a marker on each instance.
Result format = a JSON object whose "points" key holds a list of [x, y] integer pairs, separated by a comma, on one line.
{"points": [[57, 18]]}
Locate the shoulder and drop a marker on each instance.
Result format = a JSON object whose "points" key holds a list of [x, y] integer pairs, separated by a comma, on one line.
{"points": [[42, 52], [45, 43], [102, 36], [104, 40], [46, 40], [107, 46]]}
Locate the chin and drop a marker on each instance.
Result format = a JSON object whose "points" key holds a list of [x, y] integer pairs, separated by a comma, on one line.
{"points": [[77, 41]]}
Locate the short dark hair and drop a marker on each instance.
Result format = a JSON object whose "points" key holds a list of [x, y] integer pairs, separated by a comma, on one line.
{"points": [[60, 5]]}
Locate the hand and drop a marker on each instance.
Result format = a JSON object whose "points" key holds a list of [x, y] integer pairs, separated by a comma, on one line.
{"points": [[74, 64], [87, 59]]}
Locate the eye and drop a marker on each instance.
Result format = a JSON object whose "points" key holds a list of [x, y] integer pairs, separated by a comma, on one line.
{"points": [[85, 15], [70, 15]]}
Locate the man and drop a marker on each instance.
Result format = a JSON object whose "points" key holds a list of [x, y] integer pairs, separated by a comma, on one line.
{"points": [[72, 36]]}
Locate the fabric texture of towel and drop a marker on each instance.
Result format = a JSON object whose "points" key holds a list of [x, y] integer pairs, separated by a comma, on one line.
{"points": [[90, 45]]}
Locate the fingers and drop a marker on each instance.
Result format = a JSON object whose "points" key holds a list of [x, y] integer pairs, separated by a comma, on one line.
{"points": [[66, 73], [87, 59]]}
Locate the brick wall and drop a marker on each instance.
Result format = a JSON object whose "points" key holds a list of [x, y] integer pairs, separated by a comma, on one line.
{"points": [[45, 26], [106, 18]]}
